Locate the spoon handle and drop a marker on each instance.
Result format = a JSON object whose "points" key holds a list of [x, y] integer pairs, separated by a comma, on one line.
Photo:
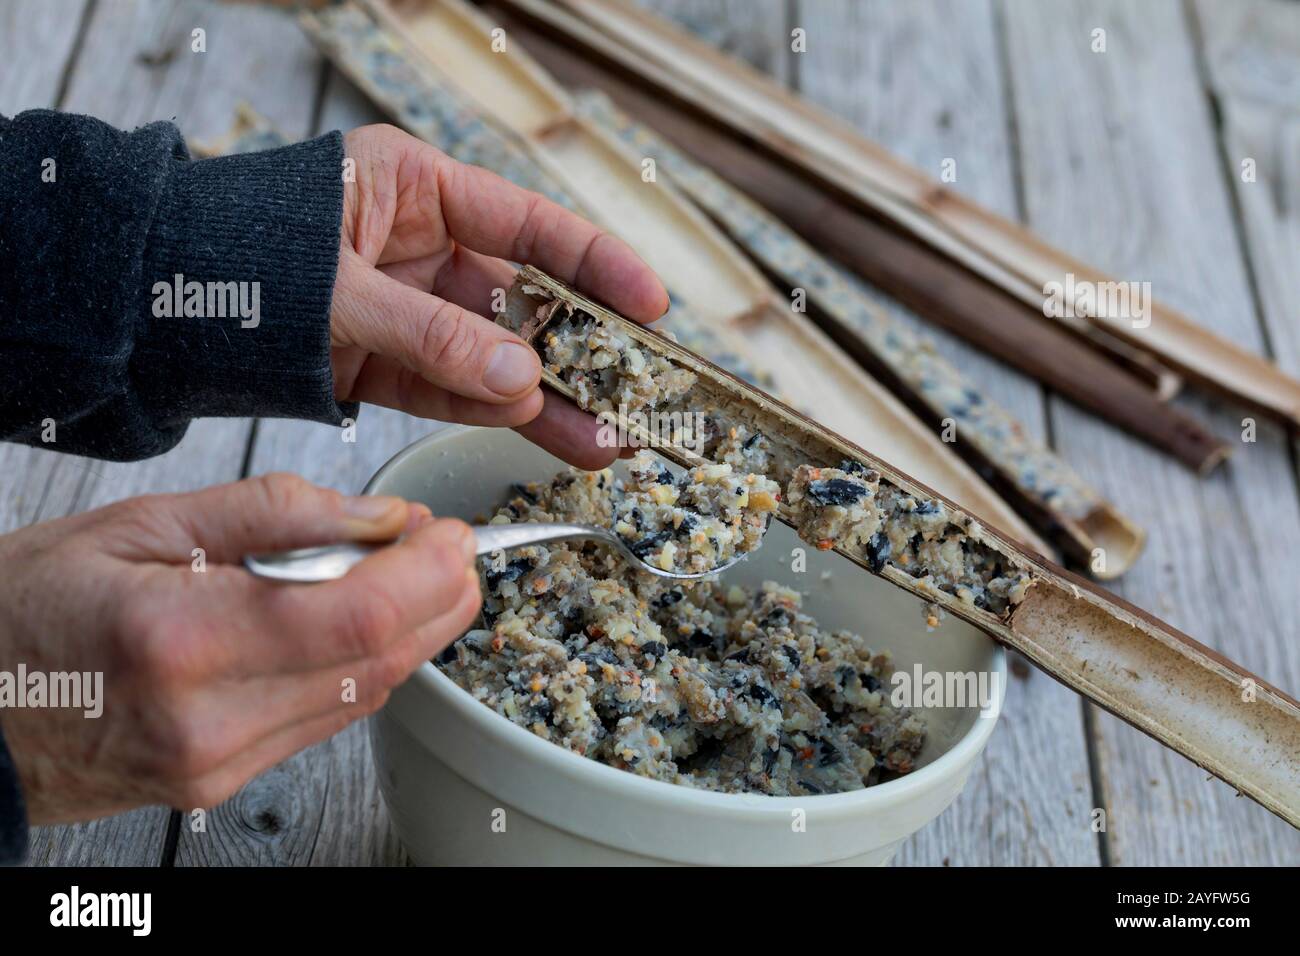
{"points": [[330, 561], [503, 537]]}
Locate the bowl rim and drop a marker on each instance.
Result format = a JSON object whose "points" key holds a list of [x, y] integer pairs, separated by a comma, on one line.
{"points": [[591, 772]]}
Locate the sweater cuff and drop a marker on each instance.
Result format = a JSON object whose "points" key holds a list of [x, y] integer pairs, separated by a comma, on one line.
{"points": [[13, 812], [238, 276]]}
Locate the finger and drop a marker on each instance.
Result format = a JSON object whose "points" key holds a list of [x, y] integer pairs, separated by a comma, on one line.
{"points": [[294, 698], [416, 515], [474, 280], [398, 588], [567, 432], [220, 785], [469, 279], [273, 512], [418, 273], [228, 624], [386, 382], [449, 346], [497, 218], [322, 710], [236, 716]]}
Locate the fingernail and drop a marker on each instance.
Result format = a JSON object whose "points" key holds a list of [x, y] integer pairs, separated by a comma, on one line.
{"points": [[370, 507], [511, 369], [469, 546], [417, 515]]}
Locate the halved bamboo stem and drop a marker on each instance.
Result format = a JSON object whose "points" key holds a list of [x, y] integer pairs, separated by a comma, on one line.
{"points": [[1193, 700], [936, 288]]}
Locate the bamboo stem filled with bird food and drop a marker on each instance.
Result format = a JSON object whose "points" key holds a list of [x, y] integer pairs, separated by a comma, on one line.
{"points": [[838, 496]]}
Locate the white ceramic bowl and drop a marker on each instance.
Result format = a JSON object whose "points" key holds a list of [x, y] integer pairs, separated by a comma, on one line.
{"points": [[466, 786]]}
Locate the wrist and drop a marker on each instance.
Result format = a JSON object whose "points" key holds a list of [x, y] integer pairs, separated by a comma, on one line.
{"points": [[236, 287]]}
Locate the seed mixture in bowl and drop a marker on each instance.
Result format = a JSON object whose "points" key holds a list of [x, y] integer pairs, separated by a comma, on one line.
{"points": [[702, 684]]}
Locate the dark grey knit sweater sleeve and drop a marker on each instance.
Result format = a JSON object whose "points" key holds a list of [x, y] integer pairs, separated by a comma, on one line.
{"points": [[99, 227], [95, 225]]}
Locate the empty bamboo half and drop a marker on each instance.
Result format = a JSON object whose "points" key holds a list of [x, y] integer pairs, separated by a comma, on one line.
{"points": [[937, 288], [824, 150]]}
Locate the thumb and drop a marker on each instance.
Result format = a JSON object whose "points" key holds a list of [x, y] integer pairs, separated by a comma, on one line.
{"points": [[279, 511], [458, 350]]}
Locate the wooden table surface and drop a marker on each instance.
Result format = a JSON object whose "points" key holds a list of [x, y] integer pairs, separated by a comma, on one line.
{"points": [[1129, 158]]}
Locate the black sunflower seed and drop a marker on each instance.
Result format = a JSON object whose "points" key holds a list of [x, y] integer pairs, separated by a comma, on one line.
{"points": [[511, 572], [669, 598], [836, 491], [649, 543], [878, 549]]}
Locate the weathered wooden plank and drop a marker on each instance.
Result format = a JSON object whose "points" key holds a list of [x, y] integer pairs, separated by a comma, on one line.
{"points": [[321, 806], [1251, 51], [135, 65], [37, 40], [138, 65], [1120, 166], [923, 80], [753, 30]]}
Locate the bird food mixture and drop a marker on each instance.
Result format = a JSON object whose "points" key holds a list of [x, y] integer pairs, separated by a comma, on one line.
{"points": [[692, 522], [607, 370], [835, 505], [843, 505], [701, 683]]}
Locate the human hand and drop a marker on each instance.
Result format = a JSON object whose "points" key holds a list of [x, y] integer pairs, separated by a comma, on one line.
{"points": [[210, 677], [424, 245]]}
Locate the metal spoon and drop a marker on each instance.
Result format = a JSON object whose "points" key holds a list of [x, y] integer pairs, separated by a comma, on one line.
{"points": [[325, 563]]}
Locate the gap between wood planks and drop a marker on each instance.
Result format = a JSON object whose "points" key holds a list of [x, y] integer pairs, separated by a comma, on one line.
{"points": [[74, 55], [1087, 710], [1197, 31]]}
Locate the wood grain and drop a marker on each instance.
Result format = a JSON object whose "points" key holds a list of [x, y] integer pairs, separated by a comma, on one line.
{"points": [[1251, 53], [137, 66], [1120, 166], [756, 31], [37, 39]]}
